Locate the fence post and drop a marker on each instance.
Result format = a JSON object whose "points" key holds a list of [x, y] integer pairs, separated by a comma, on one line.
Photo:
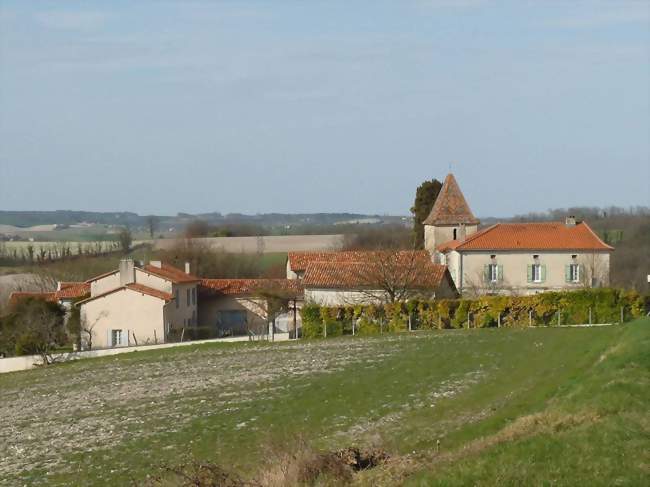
{"points": [[499, 321], [559, 317], [622, 316], [439, 322], [324, 329], [530, 317], [381, 326], [590, 315], [410, 329], [468, 320], [353, 326]]}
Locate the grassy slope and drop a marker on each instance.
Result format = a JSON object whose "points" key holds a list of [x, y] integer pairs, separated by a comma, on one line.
{"points": [[593, 430], [583, 418]]}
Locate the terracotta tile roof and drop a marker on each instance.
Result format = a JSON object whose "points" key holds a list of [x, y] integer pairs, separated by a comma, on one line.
{"points": [[299, 260], [534, 236], [450, 207], [17, 296], [156, 293], [132, 287], [214, 287], [414, 269], [449, 245], [73, 290], [171, 273]]}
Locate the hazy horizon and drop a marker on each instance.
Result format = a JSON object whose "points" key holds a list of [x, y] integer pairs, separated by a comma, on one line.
{"points": [[251, 107]]}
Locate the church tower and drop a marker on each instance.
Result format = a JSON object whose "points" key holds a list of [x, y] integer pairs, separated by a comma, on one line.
{"points": [[450, 218]]}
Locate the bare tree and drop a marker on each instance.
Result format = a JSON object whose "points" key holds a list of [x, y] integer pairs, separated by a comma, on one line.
{"points": [[388, 276], [594, 272], [274, 298], [152, 224], [125, 238], [37, 328], [86, 330]]}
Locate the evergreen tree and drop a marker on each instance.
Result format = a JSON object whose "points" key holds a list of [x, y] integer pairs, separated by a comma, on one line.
{"points": [[425, 197]]}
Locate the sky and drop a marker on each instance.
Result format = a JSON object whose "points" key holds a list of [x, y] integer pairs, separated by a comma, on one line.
{"points": [[322, 106]]}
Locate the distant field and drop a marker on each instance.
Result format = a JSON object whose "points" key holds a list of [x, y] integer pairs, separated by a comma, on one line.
{"points": [[54, 248], [271, 244], [508, 407]]}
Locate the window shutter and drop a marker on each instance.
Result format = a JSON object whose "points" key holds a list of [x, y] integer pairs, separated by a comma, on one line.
{"points": [[567, 273], [500, 272], [486, 273], [125, 338], [543, 272], [530, 272], [109, 342], [581, 273]]}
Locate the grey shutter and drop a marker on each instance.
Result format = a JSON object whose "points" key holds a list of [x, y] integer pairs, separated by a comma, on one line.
{"points": [[499, 272], [567, 273], [530, 272], [109, 336], [486, 273], [543, 272]]}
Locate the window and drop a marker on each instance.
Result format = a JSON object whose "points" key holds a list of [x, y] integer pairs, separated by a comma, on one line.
{"points": [[536, 273], [193, 295], [574, 273], [455, 233], [188, 297], [176, 298], [492, 273], [116, 338]]}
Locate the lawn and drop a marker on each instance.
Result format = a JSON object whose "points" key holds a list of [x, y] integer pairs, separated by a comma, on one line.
{"points": [[489, 406]]}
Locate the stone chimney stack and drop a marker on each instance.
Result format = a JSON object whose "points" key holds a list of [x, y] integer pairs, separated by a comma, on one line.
{"points": [[127, 272], [187, 268], [570, 221]]}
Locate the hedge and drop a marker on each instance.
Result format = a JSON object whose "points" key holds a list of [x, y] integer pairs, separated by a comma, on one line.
{"points": [[569, 307]]}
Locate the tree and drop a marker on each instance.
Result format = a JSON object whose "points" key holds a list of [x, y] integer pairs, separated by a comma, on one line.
{"points": [[126, 239], [197, 228], [34, 326], [273, 299], [389, 276], [152, 224], [425, 197]]}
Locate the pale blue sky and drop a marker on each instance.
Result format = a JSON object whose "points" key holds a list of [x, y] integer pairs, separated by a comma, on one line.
{"points": [[293, 106]]}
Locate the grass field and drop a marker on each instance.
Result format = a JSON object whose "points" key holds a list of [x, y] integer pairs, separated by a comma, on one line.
{"points": [[542, 406]]}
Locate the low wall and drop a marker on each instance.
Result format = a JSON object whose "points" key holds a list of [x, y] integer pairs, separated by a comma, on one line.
{"points": [[26, 362]]}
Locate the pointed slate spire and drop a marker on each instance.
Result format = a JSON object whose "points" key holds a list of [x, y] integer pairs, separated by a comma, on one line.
{"points": [[450, 207]]}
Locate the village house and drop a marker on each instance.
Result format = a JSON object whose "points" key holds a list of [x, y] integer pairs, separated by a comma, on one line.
{"points": [[158, 303], [512, 258], [361, 277]]}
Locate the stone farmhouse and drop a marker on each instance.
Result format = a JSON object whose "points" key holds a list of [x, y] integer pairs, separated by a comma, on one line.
{"points": [[512, 258]]}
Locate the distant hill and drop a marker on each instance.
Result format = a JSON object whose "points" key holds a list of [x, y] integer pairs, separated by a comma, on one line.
{"points": [[25, 219]]}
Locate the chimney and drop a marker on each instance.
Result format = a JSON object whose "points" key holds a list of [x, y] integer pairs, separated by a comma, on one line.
{"points": [[187, 268], [155, 263], [127, 272], [570, 221]]}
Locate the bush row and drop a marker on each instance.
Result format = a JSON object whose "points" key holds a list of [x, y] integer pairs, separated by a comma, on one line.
{"points": [[550, 308]]}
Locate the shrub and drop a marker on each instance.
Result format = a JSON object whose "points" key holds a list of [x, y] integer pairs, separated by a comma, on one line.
{"points": [[485, 311]]}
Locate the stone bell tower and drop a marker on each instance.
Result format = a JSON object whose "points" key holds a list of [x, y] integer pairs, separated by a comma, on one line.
{"points": [[451, 219]]}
